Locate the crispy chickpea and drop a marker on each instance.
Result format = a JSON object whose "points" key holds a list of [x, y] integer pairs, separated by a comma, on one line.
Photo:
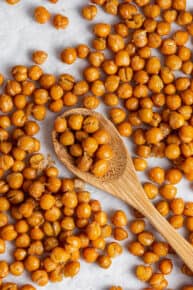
{"points": [[157, 174], [60, 125], [4, 269], [102, 29], [60, 21], [40, 277], [119, 218], [82, 51], [163, 207], [151, 190], [104, 261], [71, 269], [89, 12], [160, 248], [90, 255], [69, 55], [143, 273], [177, 206], [91, 102], [93, 231], [116, 288], [137, 226], [120, 234], [41, 15], [16, 268], [114, 249], [27, 287], [139, 164], [136, 249], [100, 168], [39, 56]]}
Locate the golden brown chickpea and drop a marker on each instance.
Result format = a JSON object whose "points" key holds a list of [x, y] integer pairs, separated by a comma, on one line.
{"points": [[111, 6], [82, 51], [2, 246], [160, 248], [19, 73], [115, 42], [16, 268], [143, 273], [98, 88], [39, 56], [163, 207], [40, 277], [114, 249], [100, 168], [71, 269], [102, 29], [69, 55], [117, 115], [157, 174], [136, 249], [177, 206], [41, 15], [120, 234], [60, 21], [176, 221], [116, 288], [90, 255], [137, 226], [151, 190], [35, 72], [112, 83], [91, 102], [27, 287], [121, 29], [3, 220], [4, 269], [89, 12], [6, 103], [139, 164], [60, 125], [104, 261], [126, 10], [81, 88], [124, 129], [91, 74]]}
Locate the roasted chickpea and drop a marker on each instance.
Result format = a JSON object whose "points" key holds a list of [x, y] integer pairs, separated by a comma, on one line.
{"points": [[41, 15]]}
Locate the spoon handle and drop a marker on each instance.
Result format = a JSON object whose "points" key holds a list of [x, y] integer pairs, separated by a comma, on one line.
{"points": [[130, 190]]}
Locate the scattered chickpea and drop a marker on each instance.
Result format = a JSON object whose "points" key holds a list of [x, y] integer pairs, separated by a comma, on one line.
{"points": [[41, 15], [60, 21], [39, 56]]}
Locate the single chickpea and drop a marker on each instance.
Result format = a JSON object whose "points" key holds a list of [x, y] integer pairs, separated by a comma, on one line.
{"points": [[163, 207], [104, 261], [82, 51], [139, 164], [177, 206], [40, 277], [60, 21], [151, 190], [71, 269], [90, 255], [89, 12], [41, 15], [69, 55], [117, 115], [39, 56], [102, 29], [143, 273], [157, 174], [136, 249], [120, 234], [115, 42]]}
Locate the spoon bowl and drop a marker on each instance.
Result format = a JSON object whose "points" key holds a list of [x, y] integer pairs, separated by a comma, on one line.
{"points": [[122, 182], [117, 165]]}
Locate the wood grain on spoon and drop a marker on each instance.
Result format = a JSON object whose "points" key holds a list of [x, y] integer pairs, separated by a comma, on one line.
{"points": [[122, 182]]}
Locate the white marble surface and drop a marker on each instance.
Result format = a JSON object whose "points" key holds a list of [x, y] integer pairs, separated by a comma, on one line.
{"points": [[19, 36]]}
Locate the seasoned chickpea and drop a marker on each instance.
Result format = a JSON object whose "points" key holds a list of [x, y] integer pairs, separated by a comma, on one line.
{"points": [[136, 249], [40, 277], [60, 21], [104, 261], [157, 174], [89, 12], [39, 56], [102, 29], [90, 255], [69, 55], [41, 15], [139, 164], [151, 190], [143, 273]]}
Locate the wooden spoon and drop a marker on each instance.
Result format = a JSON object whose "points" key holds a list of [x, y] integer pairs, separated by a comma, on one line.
{"points": [[122, 182]]}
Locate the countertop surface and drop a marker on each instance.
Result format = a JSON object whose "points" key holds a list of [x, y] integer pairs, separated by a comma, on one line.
{"points": [[19, 36]]}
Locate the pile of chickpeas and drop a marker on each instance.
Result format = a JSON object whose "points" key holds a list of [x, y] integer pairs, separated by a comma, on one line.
{"points": [[147, 103], [87, 143]]}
